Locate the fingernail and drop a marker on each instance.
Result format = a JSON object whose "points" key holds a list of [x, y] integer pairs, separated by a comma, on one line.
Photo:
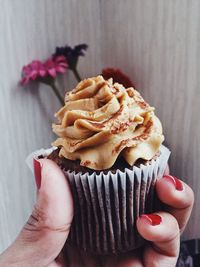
{"points": [[175, 181], [37, 171], [154, 219]]}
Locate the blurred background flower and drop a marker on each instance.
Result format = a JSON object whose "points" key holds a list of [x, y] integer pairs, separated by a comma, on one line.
{"points": [[118, 76], [65, 57], [45, 72], [72, 55]]}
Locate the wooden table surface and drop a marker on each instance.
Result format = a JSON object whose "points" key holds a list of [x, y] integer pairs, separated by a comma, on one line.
{"points": [[156, 42]]}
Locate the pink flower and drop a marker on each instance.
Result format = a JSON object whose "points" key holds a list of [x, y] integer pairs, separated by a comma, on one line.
{"points": [[37, 70], [54, 65], [32, 71]]}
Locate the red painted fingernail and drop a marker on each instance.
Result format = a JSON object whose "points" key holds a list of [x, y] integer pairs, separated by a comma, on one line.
{"points": [[154, 219], [175, 181], [37, 172]]}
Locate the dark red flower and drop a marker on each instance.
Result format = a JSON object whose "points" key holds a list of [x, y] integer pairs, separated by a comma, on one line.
{"points": [[37, 70], [118, 76]]}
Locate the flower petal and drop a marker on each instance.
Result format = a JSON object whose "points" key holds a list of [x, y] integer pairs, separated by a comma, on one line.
{"points": [[33, 75], [64, 65], [60, 69], [42, 72], [52, 72], [24, 81], [60, 59]]}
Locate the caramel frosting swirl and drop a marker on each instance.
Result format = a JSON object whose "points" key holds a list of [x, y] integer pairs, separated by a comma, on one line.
{"points": [[102, 120]]}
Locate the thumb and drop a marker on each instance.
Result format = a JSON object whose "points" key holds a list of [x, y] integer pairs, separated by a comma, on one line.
{"points": [[46, 231]]}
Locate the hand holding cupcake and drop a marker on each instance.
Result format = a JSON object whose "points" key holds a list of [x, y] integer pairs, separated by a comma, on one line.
{"points": [[112, 199], [41, 241]]}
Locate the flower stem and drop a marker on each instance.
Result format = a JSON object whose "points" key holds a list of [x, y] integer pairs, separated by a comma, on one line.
{"points": [[76, 74], [55, 90]]}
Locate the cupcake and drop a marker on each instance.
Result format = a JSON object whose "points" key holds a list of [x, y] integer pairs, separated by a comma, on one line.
{"points": [[109, 146]]}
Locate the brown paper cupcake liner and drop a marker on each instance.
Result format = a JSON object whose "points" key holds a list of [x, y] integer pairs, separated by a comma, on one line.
{"points": [[107, 205]]}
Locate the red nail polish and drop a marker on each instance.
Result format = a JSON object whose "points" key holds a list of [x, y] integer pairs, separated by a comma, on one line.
{"points": [[37, 172], [175, 181], [154, 219]]}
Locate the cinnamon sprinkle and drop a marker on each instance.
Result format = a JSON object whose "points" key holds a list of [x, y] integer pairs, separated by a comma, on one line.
{"points": [[136, 96], [74, 143], [142, 104], [85, 163], [139, 138], [101, 125], [130, 91], [122, 126], [121, 145]]}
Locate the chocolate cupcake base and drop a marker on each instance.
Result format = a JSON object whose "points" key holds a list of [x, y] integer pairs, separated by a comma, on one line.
{"points": [[107, 205]]}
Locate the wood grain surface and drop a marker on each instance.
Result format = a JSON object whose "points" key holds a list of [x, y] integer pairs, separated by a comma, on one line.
{"points": [[156, 42]]}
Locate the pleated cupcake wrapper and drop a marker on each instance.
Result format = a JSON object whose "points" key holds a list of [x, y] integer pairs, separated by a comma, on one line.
{"points": [[107, 205]]}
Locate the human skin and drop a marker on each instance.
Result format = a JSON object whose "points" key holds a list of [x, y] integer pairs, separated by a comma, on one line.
{"points": [[41, 240]]}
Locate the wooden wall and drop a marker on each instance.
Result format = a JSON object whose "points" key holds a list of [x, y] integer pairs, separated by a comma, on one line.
{"points": [[156, 42]]}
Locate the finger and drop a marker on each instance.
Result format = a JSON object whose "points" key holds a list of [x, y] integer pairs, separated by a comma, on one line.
{"points": [[177, 196], [75, 257], [56, 264], [45, 233], [163, 231], [129, 260]]}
